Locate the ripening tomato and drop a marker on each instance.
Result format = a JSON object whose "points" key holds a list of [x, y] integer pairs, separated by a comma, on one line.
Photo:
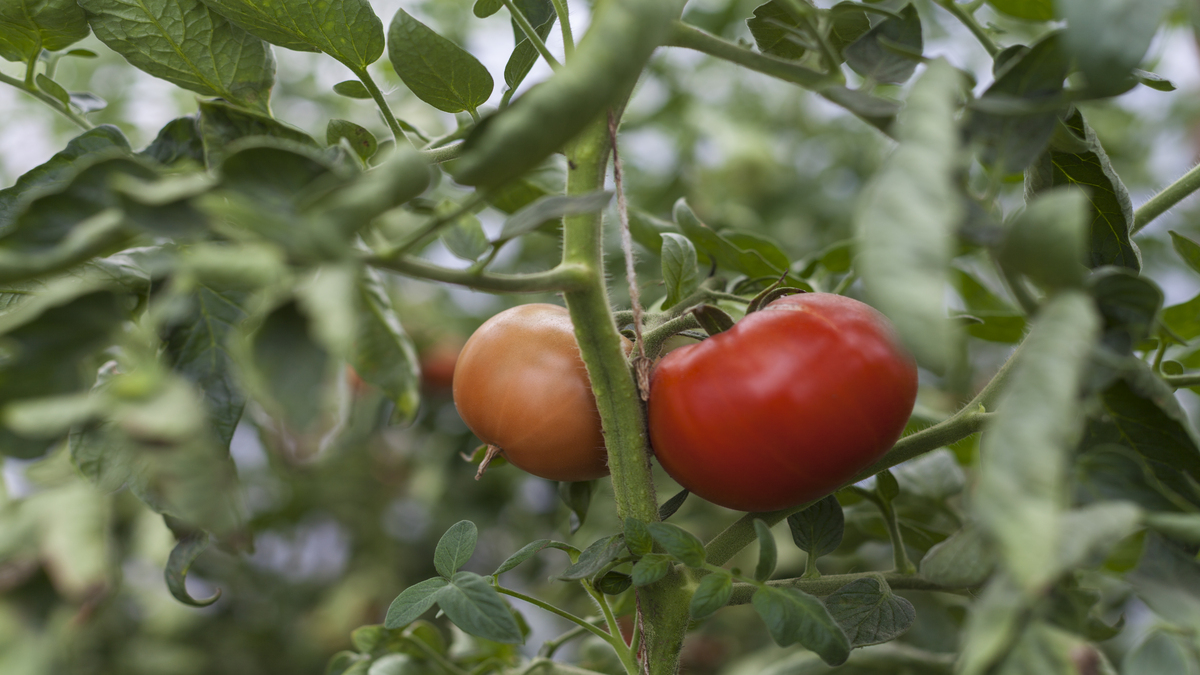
{"points": [[521, 386], [784, 407]]}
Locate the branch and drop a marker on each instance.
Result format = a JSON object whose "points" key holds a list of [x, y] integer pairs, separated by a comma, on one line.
{"points": [[965, 14], [381, 102], [690, 37], [1184, 380], [827, 584], [560, 278], [57, 105], [443, 154], [1170, 196], [531, 34]]}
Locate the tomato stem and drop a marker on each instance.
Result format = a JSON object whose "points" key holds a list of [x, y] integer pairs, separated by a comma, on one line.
{"points": [[492, 453]]}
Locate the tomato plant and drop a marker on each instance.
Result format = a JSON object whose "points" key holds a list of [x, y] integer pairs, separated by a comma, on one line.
{"points": [[520, 385], [785, 406]]}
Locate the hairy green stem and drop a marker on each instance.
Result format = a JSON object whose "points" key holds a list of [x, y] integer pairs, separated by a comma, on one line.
{"points": [[655, 338], [393, 124], [560, 278], [578, 621], [531, 34], [55, 104], [433, 655], [1170, 196], [623, 651], [690, 37], [564, 22], [826, 584], [967, 17], [443, 154]]}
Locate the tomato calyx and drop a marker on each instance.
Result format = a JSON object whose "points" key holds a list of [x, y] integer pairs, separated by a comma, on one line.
{"points": [[770, 295], [712, 319], [484, 456]]}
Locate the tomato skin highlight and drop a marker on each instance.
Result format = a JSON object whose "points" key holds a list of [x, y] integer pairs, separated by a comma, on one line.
{"points": [[784, 407], [520, 384]]}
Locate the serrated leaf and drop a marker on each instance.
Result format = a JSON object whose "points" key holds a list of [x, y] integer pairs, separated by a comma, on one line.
{"points": [[712, 593], [848, 24], [552, 207], [768, 554], [474, 606], [679, 270], [679, 543], [795, 617], [875, 55], [186, 550], [1109, 39], [1030, 10], [351, 89], [1112, 472], [455, 547], [361, 141], [869, 613], [1024, 455], [29, 26], [187, 44], [963, 559], [384, 354], [435, 69], [773, 28], [594, 558], [907, 217], [1110, 240], [818, 529], [637, 537], [413, 602], [347, 30], [221, 124], [651, 568]]}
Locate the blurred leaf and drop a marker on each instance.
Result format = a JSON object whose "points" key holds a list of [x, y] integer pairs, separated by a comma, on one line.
{"points": [[455, 547], [397, 664], [1183, 527], [413, 602], [1161, 652], [53, 88], [1024, 455], [384, 355], [637, 537], [1127, 303], [485, 8], [874, 55], [435, 69], [651, 568], [189, 45], [906, 219], [189, 547], [87, 102], [818, 529], [290, 368], [177, 142], [1188, 250], [963, 559], [1044, 649], [362, 141], [29, 26], [1112, 211], [935, 476], [1168, 580], [679, 543], [1013, 138], [672, 505], [594, 558], [773, 28], [347, 30], [528, 551], [342, 662], [1030, 10], [351, 89], [869, 612], [678, 268], [221, 124], [552, 207], [465, 238], [992, 626], [796, 617], [1047, 241], [1113, 472], [56, 173], [712, 593], [1108, 39], [577, 495], [768, 554], [548, 178], [1091, 532], [1155, 82], [474, 606]]}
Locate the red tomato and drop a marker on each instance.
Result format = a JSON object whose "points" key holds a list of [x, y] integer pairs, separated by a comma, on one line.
{"points": [[520, 385], [784, 407]]}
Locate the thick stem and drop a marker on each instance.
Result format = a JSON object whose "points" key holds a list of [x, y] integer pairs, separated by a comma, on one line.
{"points": [[899, 554], [1170, 196], [561, 278]]}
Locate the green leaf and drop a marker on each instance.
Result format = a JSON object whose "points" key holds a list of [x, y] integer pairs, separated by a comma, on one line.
{"points": [[56, 172], [53, 88], [1030, 10], [186, 550], [992, 626], [869, 612], [886, 486], [221, 124], [552, 207], [1024, 455], [678, 268], [1090, 533], [474, 606], [796, 617], [455, 547], [524, 55], [651, 568], [1110, 239], [347, 30], [594, 558], [711, 318], [818, 529], [413, 602], [936, 476], [1188, 250], [577, 495], [848, 24], [1015, 128], [87, 102], [1161, 652], [1045, 649], [289, 367], [679, 543], [890, 51], [361, 141], [720, 249], [768, 554], [963, 559], [712, 593], [352, 89], [1113, 472], [485, 8], [1183, 319], [186, 43], [1183, 527], [528, 551], [1168, 579], [177, 143], [1047, 241], [614, 583], [29, 26], [774, 29], [435, 69], [465, 238], [672, 505], [1154, 81], [384, 354], [637, 537], [907, 217], [196, 346], [1128, 304], [1109, 39]]}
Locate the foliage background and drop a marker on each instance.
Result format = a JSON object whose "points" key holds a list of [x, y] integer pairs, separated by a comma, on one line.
{"points": [[341, 531]]}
